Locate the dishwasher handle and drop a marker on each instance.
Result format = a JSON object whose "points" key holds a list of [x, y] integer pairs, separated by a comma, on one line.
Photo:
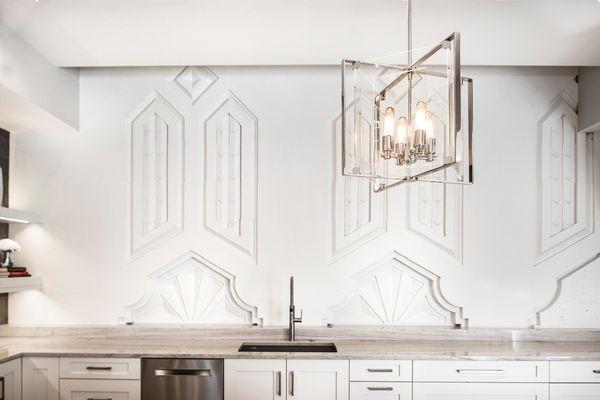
{"points": [[204, 373]]}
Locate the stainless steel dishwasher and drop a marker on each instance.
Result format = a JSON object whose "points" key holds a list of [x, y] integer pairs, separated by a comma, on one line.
{"points": [[182, 379]]}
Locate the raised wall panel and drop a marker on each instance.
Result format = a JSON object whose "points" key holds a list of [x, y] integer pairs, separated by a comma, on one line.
{"points": [[358, 214], [156, 174], [575, 303], [565, 181], [191, 289], [230, 181], [194, 81], [396, 291], [434, 212]]}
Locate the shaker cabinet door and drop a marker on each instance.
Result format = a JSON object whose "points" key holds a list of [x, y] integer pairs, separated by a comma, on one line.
{"points": [[40, 378], [318, 379], [255, 380], [480, 391]]}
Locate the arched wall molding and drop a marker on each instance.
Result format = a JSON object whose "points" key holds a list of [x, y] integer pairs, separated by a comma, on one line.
{"points": [[231, 174], [396, 291], [559, 288], [358, 214], [192, 290], [156, 131], [565, 180]]}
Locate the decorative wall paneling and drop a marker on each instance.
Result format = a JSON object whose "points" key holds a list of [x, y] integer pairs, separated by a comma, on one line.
{"points": [[157, 173], [230, 174], [191, 289], [358, 214], [566, 186], [194, 81], [434, 211], [396, 291], [575, 302]]}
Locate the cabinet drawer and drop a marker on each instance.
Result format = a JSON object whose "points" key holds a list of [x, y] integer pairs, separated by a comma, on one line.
{"points": [[480, 371], [380, 371], [570, 391], [575, 371], [380, 391], [480, 391], [92, 389], [100, 368]]}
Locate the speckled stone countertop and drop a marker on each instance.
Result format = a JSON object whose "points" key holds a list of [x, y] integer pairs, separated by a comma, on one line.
{"points": [[13, 347]]}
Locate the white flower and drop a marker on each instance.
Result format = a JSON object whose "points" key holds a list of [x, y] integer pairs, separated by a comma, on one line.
{"points": [[9, 245]]}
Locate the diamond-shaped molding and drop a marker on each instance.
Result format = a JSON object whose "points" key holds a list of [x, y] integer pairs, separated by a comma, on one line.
{"points": [[358, 214], [191, 289], [156, 130], [194, 81], [230, 180], [396, 291], [565, 184]]}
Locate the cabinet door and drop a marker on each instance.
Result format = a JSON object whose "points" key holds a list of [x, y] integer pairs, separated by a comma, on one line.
{"points": [[570, 391], [380, 391], [480, 391], [91, 389], [11, 372], [255, 379], [318, 379], [40, 378]]}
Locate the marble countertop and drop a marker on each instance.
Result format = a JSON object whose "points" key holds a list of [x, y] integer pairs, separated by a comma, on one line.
{"points": [[13, 347]]}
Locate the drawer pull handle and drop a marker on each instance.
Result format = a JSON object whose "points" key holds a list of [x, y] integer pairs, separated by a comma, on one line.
{"points": [[279, 383], [99, 369], [596, 371], [480, 371], [94, 398], [182, 372], [380, 388], [380, 370]]}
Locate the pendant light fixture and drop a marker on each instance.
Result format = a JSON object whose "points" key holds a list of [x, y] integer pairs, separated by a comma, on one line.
{"points": [[408, 122]]}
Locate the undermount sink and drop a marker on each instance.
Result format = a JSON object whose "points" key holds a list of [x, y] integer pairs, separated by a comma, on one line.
{"points": [[311, 347]]}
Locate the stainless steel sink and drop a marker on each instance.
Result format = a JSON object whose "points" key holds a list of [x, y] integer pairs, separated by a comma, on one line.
{"points": [[310, 347]]}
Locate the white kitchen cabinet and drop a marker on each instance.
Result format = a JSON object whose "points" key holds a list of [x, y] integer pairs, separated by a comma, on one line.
{"points": [[481, 371], [571, 391], [100, 368], [480, 391], [380, 391], [255, 379], [575, 371], [11, 372], [40, 378], [381, 370], [100, 389], [318, 379]]}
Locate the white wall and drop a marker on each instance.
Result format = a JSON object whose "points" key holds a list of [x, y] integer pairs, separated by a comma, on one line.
{"points": [[33, 92], [81, 182]]}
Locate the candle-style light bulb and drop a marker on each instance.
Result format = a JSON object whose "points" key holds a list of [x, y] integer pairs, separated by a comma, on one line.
{"points": [[402, 130], [389, 121], [421, 116], [429, 126]]}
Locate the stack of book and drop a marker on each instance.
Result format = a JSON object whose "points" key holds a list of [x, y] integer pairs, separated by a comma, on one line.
{"points": [[14, 272]]}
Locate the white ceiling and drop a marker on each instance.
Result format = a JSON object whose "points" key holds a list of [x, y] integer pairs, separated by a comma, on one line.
{"points": [[244, 32]]}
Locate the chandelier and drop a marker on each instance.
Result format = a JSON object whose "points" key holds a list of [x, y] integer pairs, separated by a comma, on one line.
{"points": [[408, 122]]}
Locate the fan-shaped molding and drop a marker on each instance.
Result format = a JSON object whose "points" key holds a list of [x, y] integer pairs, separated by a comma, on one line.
{"points": [[156, 130], [230, 180], [194, 81], [565, 181], [435, 213], [580, 287], [191, 289], [358, 214], [396, 291]]}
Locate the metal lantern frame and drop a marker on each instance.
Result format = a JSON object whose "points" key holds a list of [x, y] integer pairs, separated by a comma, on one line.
{"points": [[459, 89]]}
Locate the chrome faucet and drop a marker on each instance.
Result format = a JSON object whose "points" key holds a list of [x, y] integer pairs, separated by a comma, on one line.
{"points": [[293, 319]]}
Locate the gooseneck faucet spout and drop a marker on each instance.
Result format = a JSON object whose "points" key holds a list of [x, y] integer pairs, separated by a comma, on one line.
{"points": [[293, 319]]}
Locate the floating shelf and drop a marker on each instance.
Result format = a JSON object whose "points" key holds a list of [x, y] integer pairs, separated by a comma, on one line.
{"points": [[12, 216], [11, 285]]}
